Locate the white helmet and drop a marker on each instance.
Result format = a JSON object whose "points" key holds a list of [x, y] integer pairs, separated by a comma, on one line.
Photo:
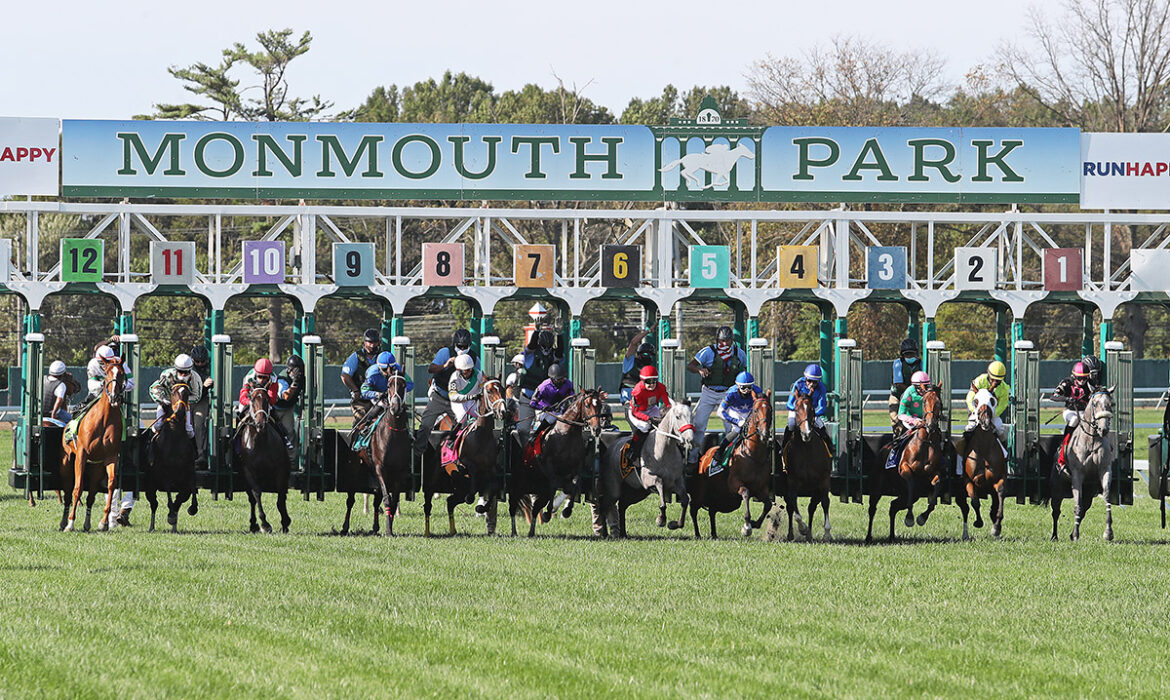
{"points": [[105, 352], [464, 362], [184, 363], [518, 359], [57, 368]]}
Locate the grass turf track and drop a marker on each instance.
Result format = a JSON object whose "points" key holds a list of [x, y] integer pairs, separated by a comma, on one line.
{"points": [[216, 612]]}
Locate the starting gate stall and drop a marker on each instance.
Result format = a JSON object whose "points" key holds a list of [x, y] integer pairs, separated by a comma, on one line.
{"points": [[673, 370], [30, 442], [762, 365], [319, 472], [1119, 376], [582, 364], [847, 401], [1026, 472], [220, 475]]}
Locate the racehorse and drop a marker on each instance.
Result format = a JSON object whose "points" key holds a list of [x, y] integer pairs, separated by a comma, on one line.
{"points": [[1089, 455], [96, 444], [748, 474], [171, 466], [386, 458], [984, 470], [663, 467], [563, 458], [263, 459], [921, 461], [807, 467], [475, 461]]}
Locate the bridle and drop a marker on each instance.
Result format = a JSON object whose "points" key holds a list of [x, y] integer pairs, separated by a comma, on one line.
{"points": [[1092, 430], [116, 383], [766, 434], [181, 389], [496, 405]]}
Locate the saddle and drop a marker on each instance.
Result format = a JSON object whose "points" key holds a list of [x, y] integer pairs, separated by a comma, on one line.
{"points": [[708, 459], [363, 437], [896, 448], [450, 447], [534, 448]]}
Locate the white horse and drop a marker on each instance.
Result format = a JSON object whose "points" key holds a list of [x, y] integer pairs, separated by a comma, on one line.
{"points": [[718, 159], [1089, 455], [662, 469]]}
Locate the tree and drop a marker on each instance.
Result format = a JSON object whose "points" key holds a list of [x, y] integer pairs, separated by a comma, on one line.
{"points": [[658, 111]]}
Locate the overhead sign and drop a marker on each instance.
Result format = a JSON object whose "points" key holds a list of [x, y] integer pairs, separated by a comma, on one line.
{"points": [[797, 266], [353, 264], [263, 262], [532, 265], [710, 266], [1062, 269], [1125, 171], [621, 266], [849, 164], [1150, 270], [172, 262], [976, 268], [82, 259], [442, 264], [29, 156], [885, 267]]}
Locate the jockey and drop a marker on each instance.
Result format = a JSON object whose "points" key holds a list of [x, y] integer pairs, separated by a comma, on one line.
{"points": [[442, 369], [909, 361], [718, 364], [1096, 369], [543, 351], [96, 371], [1075, 391], [201, 409], [992, 381], [734, 410], [647, 403], [464, 389], [355, 367], [550, 394], [182, 372], [639, 354], [260, 377], [55, 391], [376, 384], [513, 379], [910, 409], [290, 384], [809, 384]]}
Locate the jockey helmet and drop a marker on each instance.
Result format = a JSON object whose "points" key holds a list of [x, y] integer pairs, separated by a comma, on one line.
{"points": [[263, 367], [199, 355], [545, 340], [295, 362], [385, 359], [57, 368], [997, 370], [464, 363], [105, 352], [1079, 370], [813, 373], [648, 373], [518, 359], [920, 377], [372, 336], [461, 339], [184, 363], [556, 373], [1093, 366], [909, 345], [744, 379], [645, 351], [724, 334]]}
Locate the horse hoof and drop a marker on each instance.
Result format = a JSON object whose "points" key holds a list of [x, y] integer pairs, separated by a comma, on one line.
{"points": [[746, 530], [567, 513], [660, 521], [544, 518], [978, 523], [673, 525], [192, 510], [1108, 535], [344, 532], [284, 529], [828, 537], [480, 509], [172, 518], [921, 519], [804, 531], [175, 528], [102, 526], [909, 520], [254, 528]]}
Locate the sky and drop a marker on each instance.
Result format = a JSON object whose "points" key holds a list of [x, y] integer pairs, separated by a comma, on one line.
{"points": [[108, 60]]}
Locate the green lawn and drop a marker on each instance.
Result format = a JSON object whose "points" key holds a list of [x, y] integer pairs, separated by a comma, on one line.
{"points": [[216, 612]]}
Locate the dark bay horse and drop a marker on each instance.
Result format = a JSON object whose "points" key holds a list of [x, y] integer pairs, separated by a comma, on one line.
{"points": [[748, 475], [92, 456], [566, 454], [171, 466], [386, 458], [807, 467], [477, 458], [1089, 453], [919, 465], [984, 467], [264, 460]]}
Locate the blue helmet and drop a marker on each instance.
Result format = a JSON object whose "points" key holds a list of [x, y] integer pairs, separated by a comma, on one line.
{"points": [[744, 379], [385, 359], [814, 373]]}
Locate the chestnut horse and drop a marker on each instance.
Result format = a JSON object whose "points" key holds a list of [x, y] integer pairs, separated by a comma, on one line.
{"points": [[748, 474], [921, 461], [984, 470], [97, 444], [386, 458], [476, 461], [172, 461], [264, 458], [807, 468]]}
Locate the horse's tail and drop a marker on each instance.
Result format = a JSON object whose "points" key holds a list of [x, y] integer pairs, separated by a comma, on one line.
{"points": [[670, 166]]}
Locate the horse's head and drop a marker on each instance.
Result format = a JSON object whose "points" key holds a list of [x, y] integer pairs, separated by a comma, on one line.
{"points": [[592, 411], [931, 408], [804, 416], [985, 404], [1099, 412], [396, 395], [258, 407], [115, 382], [180, 395], [678, 422], [494, 399]]}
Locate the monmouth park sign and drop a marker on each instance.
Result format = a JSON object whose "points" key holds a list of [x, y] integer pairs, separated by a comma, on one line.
{"points": [[711, 160]]}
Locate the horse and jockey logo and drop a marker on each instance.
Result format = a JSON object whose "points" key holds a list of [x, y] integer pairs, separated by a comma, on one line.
{"points": [[718, 159]]}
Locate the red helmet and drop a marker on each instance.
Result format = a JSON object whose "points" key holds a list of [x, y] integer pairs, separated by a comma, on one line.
{"points": [[263, 366], [1079, 370], [648, 372]]}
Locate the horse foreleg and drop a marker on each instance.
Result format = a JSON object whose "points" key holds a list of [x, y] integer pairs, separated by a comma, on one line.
{"points": [[173, 512], [252, 525], [695, 517], [660, 521], [684, 500], [152, 499], [193, 509], [78, 472], [1056, 499], [825, 507], [711, 514], [385, 503], [513, 506], [747, 511], [790, 506], [111, 475], [931, 501], [873, 504], [391, 511], [65, 502], [767, 508], [427, 512], [349, 501], [910, 501], [1106, 479], [90, 497], [997, 521], [1078, 510], [812, 508], [452, 501], [282, 506]]}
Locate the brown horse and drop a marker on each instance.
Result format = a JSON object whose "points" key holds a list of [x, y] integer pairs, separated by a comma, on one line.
{"points": [[172, 461], [984, 468], [476, 461], [919, 464], [386, 458], [807, 468], [566, 454], [264, 460], [97, 444], [748, 475]]}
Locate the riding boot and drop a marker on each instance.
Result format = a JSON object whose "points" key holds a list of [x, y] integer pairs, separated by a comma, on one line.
{"points": [[719, 451], [823, 431], [634, 451], [960, 452], [1061, 454], [784, 440], [280, 429]]}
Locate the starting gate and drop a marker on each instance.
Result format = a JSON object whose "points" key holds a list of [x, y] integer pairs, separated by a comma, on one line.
{"points": [[311, 443], [29, 454], [848, 401], [129, 462], [220, 418], [673, 372], [582, 364], [1024, 467], [938, 366], [493, 360], [1119, 376], [762, 364], [403, 351]]}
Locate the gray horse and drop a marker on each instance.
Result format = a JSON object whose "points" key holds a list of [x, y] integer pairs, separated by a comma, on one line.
{"points": [[663, 463], [1089, 456]]}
